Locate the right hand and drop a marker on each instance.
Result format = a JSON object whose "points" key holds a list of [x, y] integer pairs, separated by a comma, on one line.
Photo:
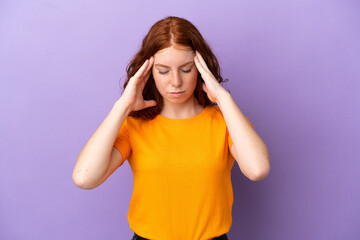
{"points": [[132, 94]]}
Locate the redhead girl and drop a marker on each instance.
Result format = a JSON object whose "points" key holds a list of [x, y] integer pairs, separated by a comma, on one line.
{"points": [[180, 132]]}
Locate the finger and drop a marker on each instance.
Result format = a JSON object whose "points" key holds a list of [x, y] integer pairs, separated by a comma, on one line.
{"points": [[151, 63], [143, 73], [145, 78], [142, 69], [202, 61], [199, 66], [147, 72]]}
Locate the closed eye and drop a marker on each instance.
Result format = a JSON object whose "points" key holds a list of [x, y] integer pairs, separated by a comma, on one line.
{"points": [[184, 71]]}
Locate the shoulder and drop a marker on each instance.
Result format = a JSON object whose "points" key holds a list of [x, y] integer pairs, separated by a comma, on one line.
{"points": [[214, 111], [215, 115], [135, 123]]}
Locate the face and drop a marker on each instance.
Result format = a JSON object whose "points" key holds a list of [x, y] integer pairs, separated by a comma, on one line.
{"points": [[175, 74]]}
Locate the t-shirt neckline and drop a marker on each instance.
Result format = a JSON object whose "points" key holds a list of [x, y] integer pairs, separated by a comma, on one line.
{"points": [[184, 121]]}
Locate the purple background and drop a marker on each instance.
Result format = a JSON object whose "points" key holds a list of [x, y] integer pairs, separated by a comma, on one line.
{"points": [[293, 68]]}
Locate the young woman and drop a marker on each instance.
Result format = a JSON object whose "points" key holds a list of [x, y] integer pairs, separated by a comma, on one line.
{"points": [[180, 131]]}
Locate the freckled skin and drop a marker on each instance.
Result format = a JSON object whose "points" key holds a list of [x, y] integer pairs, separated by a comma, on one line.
{"points": [[176, 77]]}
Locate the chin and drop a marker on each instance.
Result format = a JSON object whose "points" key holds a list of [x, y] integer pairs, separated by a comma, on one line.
{"points": [[178, 100]]}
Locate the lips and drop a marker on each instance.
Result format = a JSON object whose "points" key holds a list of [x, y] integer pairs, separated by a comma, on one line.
{"points": [[176, 94]]}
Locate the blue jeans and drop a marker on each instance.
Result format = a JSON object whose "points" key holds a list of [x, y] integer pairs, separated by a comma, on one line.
{"points": [[137, 237]]}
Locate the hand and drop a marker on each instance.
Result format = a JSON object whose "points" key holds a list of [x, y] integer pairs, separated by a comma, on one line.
{"points": [[132, 94], [211, 86]]}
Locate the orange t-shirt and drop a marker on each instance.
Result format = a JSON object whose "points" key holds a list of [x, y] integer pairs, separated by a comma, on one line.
{"points": [[182, 175]]}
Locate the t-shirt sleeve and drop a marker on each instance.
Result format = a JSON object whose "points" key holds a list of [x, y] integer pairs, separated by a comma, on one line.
{"points": [[229, 137], [122, 141]]}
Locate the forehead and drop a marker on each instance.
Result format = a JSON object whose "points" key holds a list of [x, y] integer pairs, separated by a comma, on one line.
{"points": [[174, 56]]}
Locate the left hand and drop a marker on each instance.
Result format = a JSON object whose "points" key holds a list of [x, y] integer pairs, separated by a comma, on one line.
{"points": [[211, 86]]}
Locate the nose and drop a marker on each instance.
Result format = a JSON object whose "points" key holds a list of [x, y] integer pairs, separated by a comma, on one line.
{"points": [[176, 80]]}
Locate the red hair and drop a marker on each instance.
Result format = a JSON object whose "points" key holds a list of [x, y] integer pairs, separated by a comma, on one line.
{"points": [[163, 34]]}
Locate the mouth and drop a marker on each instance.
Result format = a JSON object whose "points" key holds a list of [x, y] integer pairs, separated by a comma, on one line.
{"points": [[176, 94]]}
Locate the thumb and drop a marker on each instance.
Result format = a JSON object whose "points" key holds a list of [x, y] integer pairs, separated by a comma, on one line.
{"points": [[204, 87], [150, 103]]}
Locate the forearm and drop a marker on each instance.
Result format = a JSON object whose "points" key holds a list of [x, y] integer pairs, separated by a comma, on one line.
{"points": [[251, 152], [94, 159]]}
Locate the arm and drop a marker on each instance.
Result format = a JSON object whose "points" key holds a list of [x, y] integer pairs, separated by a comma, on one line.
{"points": [[248, 148], [97, 155], [99, 159]]}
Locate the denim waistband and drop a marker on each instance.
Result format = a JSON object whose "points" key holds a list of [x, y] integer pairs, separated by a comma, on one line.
{"points": [[222, 237]]}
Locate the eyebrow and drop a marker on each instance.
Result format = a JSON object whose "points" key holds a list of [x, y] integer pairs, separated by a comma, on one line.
{"points": [[162, 65]]}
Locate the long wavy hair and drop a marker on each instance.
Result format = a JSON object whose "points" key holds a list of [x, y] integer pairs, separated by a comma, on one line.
{"points": [[163, 34]]}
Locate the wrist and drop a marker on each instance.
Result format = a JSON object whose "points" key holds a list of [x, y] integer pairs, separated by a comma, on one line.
{"points": [[223, 100], [222, 96], [123, 105]]}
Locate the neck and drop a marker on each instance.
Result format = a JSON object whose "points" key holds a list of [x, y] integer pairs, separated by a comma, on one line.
{"points": [[184, 110]]}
